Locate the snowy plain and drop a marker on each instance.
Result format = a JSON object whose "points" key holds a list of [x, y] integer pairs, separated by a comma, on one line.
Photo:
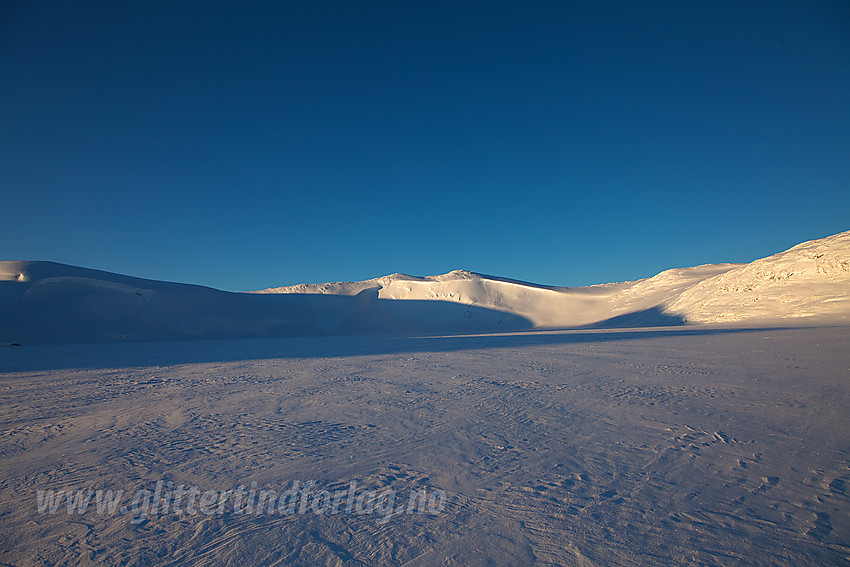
{"points": [[610, 447], [707, 442]]}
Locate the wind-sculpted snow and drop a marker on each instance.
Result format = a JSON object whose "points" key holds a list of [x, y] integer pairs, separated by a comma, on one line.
{"points": [[677, 446], [417, 435]]}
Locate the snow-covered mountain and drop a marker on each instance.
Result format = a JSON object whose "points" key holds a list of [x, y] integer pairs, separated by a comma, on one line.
{"points": [[543, 306], [56, 303], [811, 280], [46, 302]]}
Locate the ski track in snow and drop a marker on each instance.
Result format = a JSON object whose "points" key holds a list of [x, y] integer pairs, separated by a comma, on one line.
{"points": [[664, 447]]}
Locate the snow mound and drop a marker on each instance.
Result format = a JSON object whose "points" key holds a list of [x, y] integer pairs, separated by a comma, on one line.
{"points": [[809, 280]]}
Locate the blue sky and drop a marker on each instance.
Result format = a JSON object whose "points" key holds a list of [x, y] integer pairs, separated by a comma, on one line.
{"points": [[566, 143]]}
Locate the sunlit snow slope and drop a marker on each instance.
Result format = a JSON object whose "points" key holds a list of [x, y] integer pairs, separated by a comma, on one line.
{"points": [[56, 303], [545, 307], [809, 281]]}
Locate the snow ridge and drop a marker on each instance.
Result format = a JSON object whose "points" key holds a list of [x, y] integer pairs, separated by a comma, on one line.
{"points": [[50, 302]]}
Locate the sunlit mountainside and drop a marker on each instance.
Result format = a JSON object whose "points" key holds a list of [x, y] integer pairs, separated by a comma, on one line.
{"points": [[46, 302]]}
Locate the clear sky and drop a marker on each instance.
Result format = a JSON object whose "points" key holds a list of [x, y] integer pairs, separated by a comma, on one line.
{"points": [[245, 145]]}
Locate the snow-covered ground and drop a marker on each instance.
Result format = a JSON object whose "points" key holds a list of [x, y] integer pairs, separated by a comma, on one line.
{"points": [[429, 421], [597, 447]]}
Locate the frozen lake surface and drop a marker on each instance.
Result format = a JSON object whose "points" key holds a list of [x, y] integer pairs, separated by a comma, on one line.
{"points": [[672, 446]]}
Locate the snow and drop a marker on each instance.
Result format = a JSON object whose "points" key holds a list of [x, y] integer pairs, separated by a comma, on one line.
{"points": [[598, 447], [65, 304], [811, 280], [543, 306], [45, 302], [718, 439]]}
